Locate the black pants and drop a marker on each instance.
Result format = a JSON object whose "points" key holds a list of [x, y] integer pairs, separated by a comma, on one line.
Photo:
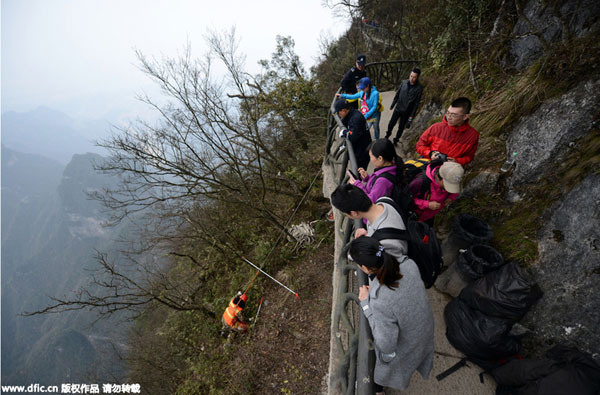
{"points": [[403, 119]]}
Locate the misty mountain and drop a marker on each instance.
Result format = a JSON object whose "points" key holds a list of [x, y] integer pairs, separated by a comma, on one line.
{"points": [[50, 230], [28, 190], [51, 133]]}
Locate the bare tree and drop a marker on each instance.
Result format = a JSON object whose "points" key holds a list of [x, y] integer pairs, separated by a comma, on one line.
{"points": [[206, 146], [221, 147]]}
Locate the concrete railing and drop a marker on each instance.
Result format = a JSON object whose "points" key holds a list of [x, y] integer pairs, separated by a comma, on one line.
{"points": [[355, 370]]}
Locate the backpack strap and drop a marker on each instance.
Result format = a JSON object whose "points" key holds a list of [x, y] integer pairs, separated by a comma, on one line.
{"points": [[425, 185], [452, 369], [390, 233], [387, 175], [391, 202]]}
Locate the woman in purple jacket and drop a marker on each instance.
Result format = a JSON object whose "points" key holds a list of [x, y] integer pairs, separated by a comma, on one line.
{"points": [[388, 171]]}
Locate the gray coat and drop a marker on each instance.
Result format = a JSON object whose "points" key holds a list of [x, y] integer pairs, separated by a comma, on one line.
{"points": [[402, 324], [407, 101]]}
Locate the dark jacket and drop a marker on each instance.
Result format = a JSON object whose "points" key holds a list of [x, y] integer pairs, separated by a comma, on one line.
{"points": [[407, 101], [359, 136], [351, 78]]}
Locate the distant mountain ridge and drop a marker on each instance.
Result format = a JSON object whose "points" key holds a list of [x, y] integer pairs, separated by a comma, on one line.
{"points": [[50, 229], [51, 133]]}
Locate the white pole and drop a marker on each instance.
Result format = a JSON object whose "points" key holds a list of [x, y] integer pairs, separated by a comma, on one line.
{"points": [[266, 274]]}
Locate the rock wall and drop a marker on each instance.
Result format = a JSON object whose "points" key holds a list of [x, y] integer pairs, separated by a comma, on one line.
{"points": [[568, 271], [568, 268], [572, 18], [543, 137]]}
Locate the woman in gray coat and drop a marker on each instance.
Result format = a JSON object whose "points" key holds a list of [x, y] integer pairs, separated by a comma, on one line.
{"points": [[399, 314]]}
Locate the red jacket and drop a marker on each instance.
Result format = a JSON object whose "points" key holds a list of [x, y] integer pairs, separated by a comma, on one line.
{"points": [[458, 142]]}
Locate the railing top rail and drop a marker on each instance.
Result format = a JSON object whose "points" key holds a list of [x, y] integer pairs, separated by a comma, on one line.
{"points": [[391, 62]]}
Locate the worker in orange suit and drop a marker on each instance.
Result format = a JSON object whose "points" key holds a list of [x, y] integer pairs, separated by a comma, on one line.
{"points": [[232, 316]]}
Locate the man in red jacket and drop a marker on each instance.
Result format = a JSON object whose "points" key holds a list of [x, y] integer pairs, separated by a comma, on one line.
{"points": [[453, 136]]}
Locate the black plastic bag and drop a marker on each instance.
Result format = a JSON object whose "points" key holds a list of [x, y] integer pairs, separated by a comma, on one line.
{"points": [[466, 230], [503, 293], [478, 260], [472, 229], [478, 335], [519, 372], [564, 371]]}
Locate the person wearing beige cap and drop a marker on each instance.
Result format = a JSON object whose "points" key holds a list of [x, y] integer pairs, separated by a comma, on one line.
{"points": [[436, 188]]}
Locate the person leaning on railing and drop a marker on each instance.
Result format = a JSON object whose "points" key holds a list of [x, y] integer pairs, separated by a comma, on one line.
{"points": [[397, 307], [355, 204], [387, 173], [356, 130]]}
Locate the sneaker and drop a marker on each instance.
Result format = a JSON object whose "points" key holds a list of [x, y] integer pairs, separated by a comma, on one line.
{"points": [[330, 216]]}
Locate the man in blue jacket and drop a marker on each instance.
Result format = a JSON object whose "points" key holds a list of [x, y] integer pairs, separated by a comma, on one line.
{"points": [[406, 101]]}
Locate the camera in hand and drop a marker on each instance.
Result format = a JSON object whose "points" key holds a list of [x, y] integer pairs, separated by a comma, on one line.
{"points": [[442, 157]]}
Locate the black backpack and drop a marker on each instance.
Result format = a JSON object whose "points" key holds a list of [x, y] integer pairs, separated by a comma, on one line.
{"points": [[423, 246], [400, 193], [417, 168], [413, 167]]}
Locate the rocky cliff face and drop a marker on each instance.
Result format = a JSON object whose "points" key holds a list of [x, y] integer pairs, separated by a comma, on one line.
{"points": [[551, 22], [568, 271], [541, 139], [568, 264]]}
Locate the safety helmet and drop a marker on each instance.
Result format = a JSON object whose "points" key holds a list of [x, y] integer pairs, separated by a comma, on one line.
{"points": [[244, 297]]}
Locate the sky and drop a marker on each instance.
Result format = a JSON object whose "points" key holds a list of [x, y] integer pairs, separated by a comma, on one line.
{"points": [[77, 56]]}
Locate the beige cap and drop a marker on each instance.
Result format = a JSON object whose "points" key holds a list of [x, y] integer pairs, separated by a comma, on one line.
{"points": [[452, 174]]}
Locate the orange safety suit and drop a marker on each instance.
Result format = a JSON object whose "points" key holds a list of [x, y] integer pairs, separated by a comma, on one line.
{"points": [[231, 317]]}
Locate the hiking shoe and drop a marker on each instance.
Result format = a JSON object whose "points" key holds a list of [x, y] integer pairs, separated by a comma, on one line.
{"points": [[330, 216]]}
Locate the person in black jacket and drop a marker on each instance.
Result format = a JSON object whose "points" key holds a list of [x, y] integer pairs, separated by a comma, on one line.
{"points": [[354, 75], [406, 101], [356, 131]]}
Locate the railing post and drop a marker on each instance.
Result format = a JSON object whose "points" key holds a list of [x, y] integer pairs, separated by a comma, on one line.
{"points": [[365, 361]]}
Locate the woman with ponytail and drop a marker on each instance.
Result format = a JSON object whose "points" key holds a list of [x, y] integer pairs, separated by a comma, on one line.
{"points": [[388, 171], [397, 307]]}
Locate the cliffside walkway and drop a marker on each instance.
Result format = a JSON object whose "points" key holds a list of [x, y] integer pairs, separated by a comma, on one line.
{"points": [[465, 381]]}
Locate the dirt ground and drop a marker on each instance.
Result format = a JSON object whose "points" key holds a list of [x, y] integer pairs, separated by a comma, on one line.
{"points": [[288, 349]]}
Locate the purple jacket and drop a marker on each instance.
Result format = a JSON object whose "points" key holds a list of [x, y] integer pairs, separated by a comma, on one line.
{"points": [[381, 187], [436, 194]]}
